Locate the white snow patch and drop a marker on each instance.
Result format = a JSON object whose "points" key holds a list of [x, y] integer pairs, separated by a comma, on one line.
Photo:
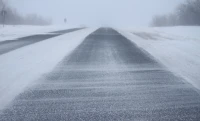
{"points": [[21, 67], [181, 55]]}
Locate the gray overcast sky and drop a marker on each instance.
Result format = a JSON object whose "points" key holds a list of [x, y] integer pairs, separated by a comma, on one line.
{"points": [[116, 13]]}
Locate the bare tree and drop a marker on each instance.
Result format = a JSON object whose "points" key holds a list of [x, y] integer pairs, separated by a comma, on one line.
{"points": [[187, 13], [13, 17]]}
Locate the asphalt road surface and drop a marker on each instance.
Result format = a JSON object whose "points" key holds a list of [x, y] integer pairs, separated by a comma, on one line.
{"points": [[107, 78], [10, 45]]}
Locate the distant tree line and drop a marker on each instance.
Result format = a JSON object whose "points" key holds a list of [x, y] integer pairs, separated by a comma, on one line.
{"points": [[12, 17], [187, 13]]}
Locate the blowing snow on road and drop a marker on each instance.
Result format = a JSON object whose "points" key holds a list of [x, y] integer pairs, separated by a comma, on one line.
{"points": [[104, 77]]}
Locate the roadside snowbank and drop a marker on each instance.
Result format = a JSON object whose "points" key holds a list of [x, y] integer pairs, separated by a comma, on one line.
{"points": [[10, 32], [179, 50], [178, 32], [23, 66]]}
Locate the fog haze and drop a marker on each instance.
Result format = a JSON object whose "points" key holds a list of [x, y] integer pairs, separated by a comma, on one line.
{"points": [[115, 13]]}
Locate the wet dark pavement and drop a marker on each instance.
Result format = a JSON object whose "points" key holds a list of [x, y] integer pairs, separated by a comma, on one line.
{"points": [[10, 45], [107, 78]]}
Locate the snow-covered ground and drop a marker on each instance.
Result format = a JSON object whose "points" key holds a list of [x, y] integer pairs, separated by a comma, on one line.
{"points": [[21, 67], [178, 48], [10, 32]]}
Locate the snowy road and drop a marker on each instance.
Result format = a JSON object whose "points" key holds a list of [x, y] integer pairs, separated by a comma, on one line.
{"points": [[107, 77], [10, 45]]}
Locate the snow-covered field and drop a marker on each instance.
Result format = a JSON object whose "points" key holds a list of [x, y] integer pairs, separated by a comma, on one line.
{"points": [[21, 67], [10, 32], [177, 48]]}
